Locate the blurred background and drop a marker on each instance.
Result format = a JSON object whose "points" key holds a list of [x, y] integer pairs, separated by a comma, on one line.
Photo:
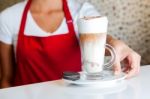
{"points": [[129, 20]]}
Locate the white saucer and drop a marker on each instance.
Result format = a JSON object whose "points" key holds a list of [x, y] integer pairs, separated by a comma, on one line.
{"points": [[108, 79]]}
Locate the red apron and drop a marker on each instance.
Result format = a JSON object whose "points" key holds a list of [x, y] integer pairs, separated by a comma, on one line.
{"points": [[46, 58]]}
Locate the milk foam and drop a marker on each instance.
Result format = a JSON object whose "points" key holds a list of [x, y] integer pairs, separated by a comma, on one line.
{"points": [[93, 25]]}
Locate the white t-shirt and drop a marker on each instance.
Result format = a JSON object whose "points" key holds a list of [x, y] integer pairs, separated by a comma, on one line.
{"points": [[10, 21]]}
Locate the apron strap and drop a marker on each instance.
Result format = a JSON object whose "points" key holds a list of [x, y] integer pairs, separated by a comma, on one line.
{"points": [[22, 27], [24, 18], [68, 17]]}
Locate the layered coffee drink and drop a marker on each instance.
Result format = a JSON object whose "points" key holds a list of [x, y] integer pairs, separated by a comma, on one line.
{"points": [[92, 36]]}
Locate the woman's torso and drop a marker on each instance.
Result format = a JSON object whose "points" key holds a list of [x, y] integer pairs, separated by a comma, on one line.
{"points": [[11, 18]]}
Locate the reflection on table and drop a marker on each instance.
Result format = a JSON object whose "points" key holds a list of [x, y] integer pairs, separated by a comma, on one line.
{"points": [[135, 88]]}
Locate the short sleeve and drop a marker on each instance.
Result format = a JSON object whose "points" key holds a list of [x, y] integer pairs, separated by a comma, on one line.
{"points": [[85, 10], [5, 29], [88, 10]]}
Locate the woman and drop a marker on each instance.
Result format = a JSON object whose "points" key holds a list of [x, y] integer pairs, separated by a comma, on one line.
{"points": [[43, 35]]}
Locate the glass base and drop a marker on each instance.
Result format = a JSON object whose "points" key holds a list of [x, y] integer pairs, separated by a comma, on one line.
{"points": [[97, 76]]}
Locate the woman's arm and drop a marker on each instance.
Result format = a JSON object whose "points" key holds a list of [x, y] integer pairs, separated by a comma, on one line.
{"points": [[129, 57], [0, 65], [7, 61]]}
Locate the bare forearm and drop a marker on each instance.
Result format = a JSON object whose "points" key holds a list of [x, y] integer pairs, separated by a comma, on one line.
{"points": [[0, 64], [110, 39], [6, 56]]}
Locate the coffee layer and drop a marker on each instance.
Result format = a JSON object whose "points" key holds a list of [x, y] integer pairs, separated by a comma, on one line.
{"points": [[88, 37], [92, 50]]}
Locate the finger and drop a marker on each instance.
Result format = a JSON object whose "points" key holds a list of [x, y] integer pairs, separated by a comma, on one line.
{"points": [[131, 73], [135, 65], [138, 64]]}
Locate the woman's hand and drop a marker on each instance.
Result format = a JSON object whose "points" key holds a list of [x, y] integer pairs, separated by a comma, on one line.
{"points": [[124, 54]]}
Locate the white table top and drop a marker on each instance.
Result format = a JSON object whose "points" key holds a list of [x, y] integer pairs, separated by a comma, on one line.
{"points": [[134, 88]]}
